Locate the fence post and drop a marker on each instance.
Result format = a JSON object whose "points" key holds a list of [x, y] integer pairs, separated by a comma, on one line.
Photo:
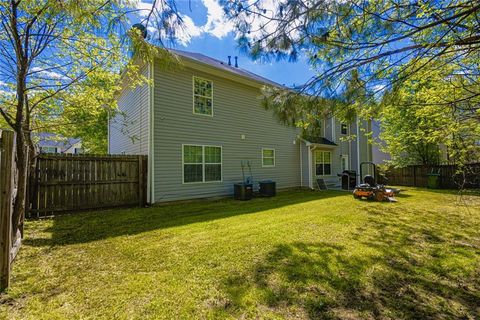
{"points": [[6, 187]]}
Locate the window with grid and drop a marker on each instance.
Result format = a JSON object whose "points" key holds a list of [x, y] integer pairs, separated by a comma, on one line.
{"points": [[323, 163], [202, 96], [344, 128], [268, 157], [202, 163]]}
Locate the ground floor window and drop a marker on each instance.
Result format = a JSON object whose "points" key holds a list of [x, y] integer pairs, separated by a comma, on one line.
{"points": [[268, 157], [202, 163], [323, 163]]}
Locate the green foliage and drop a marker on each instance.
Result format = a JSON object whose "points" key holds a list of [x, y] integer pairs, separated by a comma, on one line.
{"points": [[304, 111], [309, 111], [387, 44], [75, 54], [425, 114]]}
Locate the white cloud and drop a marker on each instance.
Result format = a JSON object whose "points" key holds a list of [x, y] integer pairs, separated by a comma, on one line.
{"points": [[50, 75], [217, 24], [189, 31], [144, 8]]}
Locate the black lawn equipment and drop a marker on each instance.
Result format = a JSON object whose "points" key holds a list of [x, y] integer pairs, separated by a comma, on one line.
{"points": [[370, 190]]}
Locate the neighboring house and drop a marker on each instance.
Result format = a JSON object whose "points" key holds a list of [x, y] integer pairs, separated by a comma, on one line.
{"points": [[198, 124], [53, 143]]}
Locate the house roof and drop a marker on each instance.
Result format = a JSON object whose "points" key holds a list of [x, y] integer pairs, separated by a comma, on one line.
{"points": [[221, 65], [320, 140], [46, 139]]}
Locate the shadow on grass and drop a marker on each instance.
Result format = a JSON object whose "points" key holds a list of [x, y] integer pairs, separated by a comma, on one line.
{"points": [[395, 268], [91, 226]]}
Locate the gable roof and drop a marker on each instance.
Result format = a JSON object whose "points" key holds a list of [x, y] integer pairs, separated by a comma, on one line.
{"points": [[46, 139], [320, 140], [206, 60]]}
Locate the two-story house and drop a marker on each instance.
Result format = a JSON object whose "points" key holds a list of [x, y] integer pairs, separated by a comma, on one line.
{"points": [[199, 123]]}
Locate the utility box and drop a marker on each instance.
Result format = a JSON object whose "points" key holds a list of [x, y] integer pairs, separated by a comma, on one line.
{"points": [[242, 191], [268, 188], [349, 179]]}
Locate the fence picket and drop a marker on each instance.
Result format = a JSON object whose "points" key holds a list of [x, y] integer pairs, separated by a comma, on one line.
{"points": [[84, 182], [449, 178]]}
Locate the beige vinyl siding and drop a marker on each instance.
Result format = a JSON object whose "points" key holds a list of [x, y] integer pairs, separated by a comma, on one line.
{"points": [[128, 130], [345, 147], [237, 112], [304, 160]]}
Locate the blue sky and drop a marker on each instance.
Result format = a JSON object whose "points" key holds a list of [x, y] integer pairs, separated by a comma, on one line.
{"points": [[207, 31]]}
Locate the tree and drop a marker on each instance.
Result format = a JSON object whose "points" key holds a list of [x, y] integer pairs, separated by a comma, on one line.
{"points": [[60, 65], [386, 42], [308, 111], [377, 37], [426, 113]]}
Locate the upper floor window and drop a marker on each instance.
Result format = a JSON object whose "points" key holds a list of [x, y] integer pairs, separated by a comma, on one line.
{"points": [[202, 163], [202, 96], [344, 128], [268, 157]]}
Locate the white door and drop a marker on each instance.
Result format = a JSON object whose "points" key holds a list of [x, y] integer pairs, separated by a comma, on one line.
{"points": [[344, 162]]}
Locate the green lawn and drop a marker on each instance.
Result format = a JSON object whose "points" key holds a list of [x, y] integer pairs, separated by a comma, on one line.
{"points": [[302, 254]]}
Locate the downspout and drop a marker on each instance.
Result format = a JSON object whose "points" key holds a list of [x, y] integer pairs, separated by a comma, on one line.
{"points": [[151, 176], [350, 156], [334, 136], [369, 129], [358, 151], [301, 163], [310, 181]]}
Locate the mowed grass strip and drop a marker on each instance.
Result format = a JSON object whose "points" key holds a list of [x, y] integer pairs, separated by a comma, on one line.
{"points": [[300, 255]]}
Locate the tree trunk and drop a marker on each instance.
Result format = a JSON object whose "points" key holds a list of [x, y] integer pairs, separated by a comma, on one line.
{"points": [[21, 177]]}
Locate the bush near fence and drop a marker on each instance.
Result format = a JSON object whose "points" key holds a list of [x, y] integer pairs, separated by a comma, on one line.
{"points": [[451, 176]]}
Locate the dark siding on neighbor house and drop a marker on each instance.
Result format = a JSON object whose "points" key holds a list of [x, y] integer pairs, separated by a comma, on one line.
{"points": [[236, 112]]}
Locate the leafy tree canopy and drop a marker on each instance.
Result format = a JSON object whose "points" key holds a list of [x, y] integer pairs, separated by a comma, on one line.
{"points": [[429, 117], [64, 59], [362, 49]]}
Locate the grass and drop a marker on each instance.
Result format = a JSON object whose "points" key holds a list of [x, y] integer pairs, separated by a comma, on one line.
{"points": [[302, 254]]}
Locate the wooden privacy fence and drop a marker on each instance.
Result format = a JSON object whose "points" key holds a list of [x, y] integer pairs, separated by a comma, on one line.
{"points": [[64, 182], [10, 239], [450, 178]]}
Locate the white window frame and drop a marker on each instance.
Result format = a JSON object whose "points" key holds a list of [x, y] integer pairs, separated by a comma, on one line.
{"points": [[323, 163], [203, 163], [274, 158], [198, 95]]}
